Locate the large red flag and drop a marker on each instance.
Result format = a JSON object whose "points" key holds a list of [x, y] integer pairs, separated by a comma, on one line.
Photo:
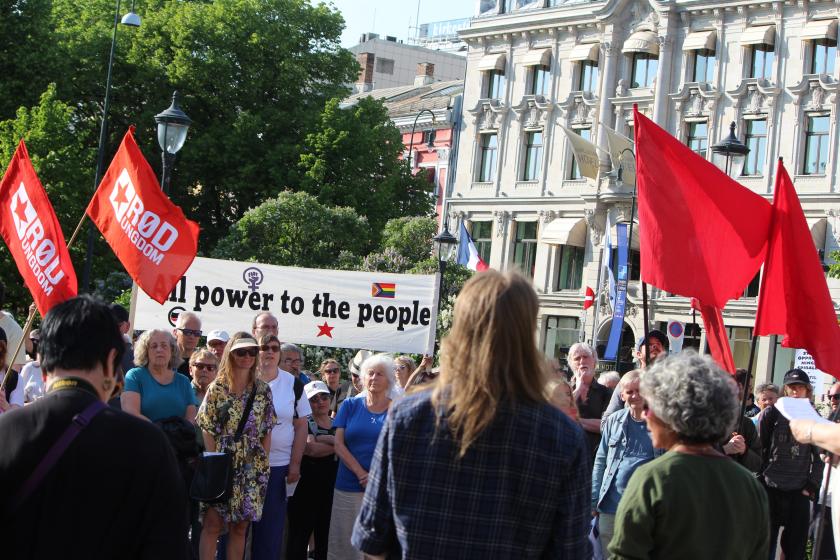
{"points": [[33, 235], [701, 234], [794, 299], [716, 336], [149, 234]]}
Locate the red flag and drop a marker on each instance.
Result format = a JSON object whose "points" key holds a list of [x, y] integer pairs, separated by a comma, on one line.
{"points": [[150, 235], [716, 336], [589, 298], [794, 299], [33, 235], [701, 234]]}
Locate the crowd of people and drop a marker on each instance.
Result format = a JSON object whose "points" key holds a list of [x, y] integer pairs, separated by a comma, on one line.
{"points": [[494, 454]]}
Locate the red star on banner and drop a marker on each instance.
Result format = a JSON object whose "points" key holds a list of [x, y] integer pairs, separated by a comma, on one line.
{"points": [[325, 330], [21, 212], [121, 198]]}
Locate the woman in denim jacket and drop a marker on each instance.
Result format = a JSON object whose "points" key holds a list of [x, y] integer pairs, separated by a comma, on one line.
{"points": [[625, 445]]}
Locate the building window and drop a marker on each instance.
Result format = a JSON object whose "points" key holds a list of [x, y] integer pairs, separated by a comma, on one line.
{"points": [[570, 273], [525, 247], [756, 141], [823, 53], [704, 64], [488, 152], [588, 76], [644, 69], [533, 155], [540, 78], [739, 343], [481, 233], [560, 334], [574, 170], [698, 138], [634, 258], [816, 146], [761, 61], [429, 137], [385, 65], [495, 84], [752, 288]]}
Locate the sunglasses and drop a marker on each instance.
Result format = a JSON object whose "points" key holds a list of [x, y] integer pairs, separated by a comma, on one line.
{"points": [[242, 352], [190, 332], [332, 370], [208, 367], [834, 397], [270, 347], [320, 397]]}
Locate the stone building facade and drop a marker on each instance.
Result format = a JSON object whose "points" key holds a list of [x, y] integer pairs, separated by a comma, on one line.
{"points": [[693, 66]]}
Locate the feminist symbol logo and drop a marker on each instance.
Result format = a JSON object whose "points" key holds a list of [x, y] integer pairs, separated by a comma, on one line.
{"points": [[253, 277]]}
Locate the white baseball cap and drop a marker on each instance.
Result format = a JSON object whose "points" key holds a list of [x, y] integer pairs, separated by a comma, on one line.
{"points": [[314, 387], [218, 335]]}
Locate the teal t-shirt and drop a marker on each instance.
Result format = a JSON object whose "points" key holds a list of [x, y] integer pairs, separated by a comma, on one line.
{"points": [[160, 401]]}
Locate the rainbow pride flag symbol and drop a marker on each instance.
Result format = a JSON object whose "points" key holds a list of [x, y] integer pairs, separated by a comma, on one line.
{"points": [[380, 289]]}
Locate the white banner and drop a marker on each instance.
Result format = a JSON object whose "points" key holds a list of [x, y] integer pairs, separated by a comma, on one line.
{"points": [[341, 309], [820, 381]]}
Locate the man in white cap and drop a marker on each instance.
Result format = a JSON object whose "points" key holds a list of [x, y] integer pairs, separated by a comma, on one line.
{"points": [[216, 342], [352, 387]]}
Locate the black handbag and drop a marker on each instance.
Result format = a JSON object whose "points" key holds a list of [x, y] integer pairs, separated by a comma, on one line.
{"points": [[213, 479]]}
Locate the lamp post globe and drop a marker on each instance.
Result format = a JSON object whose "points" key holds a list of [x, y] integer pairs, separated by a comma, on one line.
{"points": [[172, 127], [730, 153], [445, 244]]}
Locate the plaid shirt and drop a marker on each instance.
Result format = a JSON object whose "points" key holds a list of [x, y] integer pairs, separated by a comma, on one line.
{"points": [[521, 491]]}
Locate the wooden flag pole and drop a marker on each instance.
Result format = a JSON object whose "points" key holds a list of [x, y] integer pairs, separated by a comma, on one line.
{"points": [[26, 328]]}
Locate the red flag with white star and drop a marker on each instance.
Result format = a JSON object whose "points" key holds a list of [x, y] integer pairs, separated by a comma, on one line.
{"points": [[589, 298], [150, 235], [33, 235]]}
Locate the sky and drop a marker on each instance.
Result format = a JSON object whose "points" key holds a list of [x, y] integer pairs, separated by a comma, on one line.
{"points": [[393, 17]]}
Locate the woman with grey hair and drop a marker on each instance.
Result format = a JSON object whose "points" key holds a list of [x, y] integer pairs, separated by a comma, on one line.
{"points": [[591, 398], [691, 502], [154, 390], [358, 424]]}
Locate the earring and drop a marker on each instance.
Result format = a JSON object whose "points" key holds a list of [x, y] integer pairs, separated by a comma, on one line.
{"points": [[108, 385]]}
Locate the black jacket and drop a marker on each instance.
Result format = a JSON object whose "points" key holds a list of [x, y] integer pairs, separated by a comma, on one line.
{"points": [[115, 493]]}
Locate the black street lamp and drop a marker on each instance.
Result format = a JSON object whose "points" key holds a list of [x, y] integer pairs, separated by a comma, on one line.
{"points": [[729, 154], [172, 127], [413, 126], [131, 19], [445, 244]]}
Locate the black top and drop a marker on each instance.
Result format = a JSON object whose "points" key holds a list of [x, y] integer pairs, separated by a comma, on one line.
{"points": [[115, 493], [594, 406], [344, 392], [184, 368]]}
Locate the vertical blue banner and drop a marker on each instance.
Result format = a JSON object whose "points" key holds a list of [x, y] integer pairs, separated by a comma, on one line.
{"points": [[620, 295]]}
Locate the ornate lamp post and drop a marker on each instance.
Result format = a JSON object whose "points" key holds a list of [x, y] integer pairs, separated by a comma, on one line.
{"points": [[445, 244], [172, 127], [729, 154]]}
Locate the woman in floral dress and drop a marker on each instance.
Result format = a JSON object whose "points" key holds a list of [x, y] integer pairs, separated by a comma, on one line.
{"points": [[218, 419]]}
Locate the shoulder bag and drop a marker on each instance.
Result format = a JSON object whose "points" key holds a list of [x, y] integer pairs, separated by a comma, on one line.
{"points": [[213, 479]]}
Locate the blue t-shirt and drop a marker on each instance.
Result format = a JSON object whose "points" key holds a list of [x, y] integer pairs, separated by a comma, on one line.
{"points": [[361, 432], [160, 401], [638, 452]]}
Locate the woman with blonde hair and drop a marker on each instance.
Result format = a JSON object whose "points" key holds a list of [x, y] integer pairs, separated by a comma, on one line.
{"points": [[560, 395], [235, 390], [405, 367], [154, 390], [481, 445]]}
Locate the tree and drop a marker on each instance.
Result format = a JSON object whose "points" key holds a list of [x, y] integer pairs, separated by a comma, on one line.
{"points": [[834, 268], [352, 159], [294, 229]]}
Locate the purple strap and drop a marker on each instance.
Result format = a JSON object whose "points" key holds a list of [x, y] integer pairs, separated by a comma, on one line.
{"points": [[80, 421]]}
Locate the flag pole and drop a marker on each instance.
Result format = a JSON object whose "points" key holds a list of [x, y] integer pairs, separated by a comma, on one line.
{"points": [[76, 231], [597, 301]]}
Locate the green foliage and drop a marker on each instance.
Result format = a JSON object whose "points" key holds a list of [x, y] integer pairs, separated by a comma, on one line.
{"points": [[834, 269], [352, 159], [124, 298], [410, 236], [294, 229]]}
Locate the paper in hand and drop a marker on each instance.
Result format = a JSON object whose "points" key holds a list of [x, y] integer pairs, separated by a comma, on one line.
{"points": [[799, 409]]}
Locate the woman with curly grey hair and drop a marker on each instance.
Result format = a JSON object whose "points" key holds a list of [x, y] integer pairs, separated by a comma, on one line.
{"points": [[691, 502]]}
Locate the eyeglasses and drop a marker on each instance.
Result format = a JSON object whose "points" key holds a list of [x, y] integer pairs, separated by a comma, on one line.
{"points": [[190, 332], [242, 352], [332, 370], [834, 397], [402, 366], [292, 361], [209, 367], [270, 347], [320, 397]]}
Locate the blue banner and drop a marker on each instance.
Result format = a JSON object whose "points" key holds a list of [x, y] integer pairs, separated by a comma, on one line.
{"points": [[620, 295]]}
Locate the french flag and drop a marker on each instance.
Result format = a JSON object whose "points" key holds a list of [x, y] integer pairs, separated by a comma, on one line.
{"points": [[468, 254]]}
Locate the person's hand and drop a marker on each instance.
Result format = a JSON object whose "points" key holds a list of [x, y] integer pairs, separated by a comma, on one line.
{"points": [[4, 404], [426, 362], [33, 308], [801, 430], [363, 479], [735, 446], [293, 475]]}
